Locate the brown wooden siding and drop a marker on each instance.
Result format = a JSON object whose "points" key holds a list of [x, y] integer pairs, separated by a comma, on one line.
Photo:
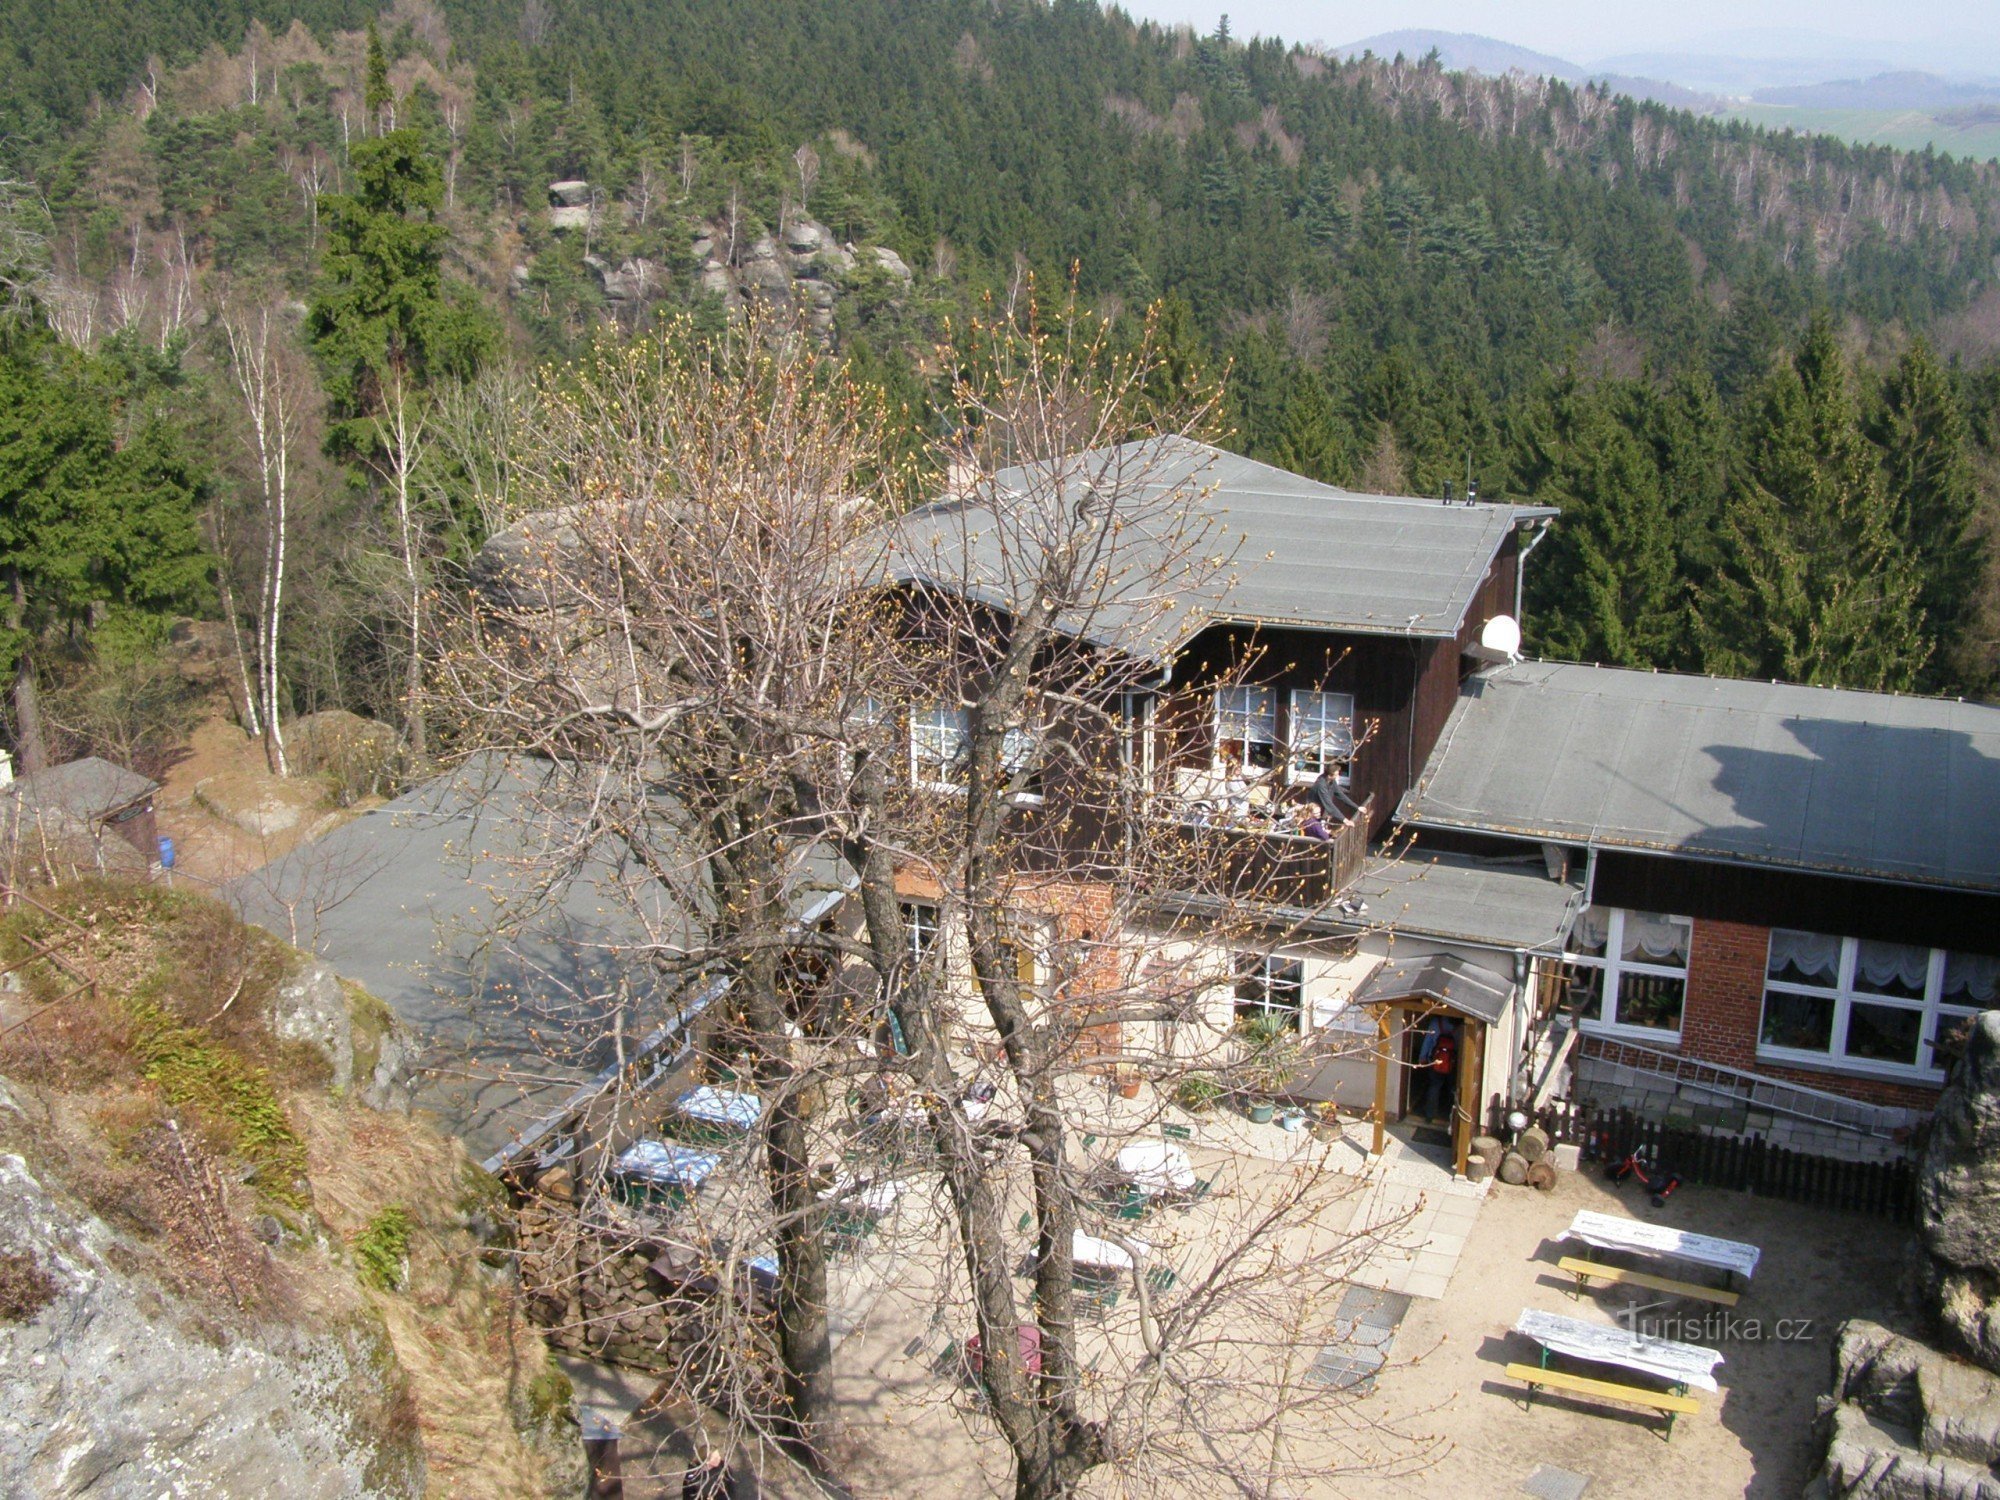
{"points": [[1963, 920], [1382, 672]]}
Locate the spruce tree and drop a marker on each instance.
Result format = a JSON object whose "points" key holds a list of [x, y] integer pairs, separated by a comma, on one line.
{"points": [[376, 96], [382, 310], [1308, 439], [1816, 585], [99, 542], [1608, 590], [1933, 494]]}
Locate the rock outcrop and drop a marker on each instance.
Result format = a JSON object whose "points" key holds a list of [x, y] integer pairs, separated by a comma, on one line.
{"points": [[103, 1392], [310, 1006], [800, 270], [1907, 1422], [1958, 1222]]}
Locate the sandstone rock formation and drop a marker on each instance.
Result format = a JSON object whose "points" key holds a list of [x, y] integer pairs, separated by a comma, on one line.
{"points": [[104, 1392], [1958, 1266], [1906, 1420]]}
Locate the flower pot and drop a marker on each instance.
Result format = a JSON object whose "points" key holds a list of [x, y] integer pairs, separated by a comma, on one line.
{"points": [[1128, 1088], [1261, 1112]]}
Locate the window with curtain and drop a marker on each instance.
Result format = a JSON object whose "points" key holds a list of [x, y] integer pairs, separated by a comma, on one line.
{"points": [[921, 926], [1866, 1003], [1628, 970], [938, 744], [1246, 725], [1020, 756], [1270, 985], [1320, 735]]}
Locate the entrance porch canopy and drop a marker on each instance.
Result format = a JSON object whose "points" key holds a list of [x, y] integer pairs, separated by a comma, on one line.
{"points": [[1439, 982], [1444, 979]]}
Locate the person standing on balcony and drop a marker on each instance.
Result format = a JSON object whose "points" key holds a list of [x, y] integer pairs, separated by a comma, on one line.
{"points": [[1335, 806]]}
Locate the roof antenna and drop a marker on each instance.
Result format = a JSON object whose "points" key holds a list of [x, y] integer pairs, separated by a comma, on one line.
{"points": [[1471, 484]]}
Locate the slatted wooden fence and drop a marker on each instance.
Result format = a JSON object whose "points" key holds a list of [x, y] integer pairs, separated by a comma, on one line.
{"points": [[1744, 1163]]}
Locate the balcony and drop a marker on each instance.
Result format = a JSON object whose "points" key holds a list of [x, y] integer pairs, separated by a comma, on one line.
{"points": [[1254, 845]]}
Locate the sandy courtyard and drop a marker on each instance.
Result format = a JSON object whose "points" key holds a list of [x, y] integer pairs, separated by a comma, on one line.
{"points": [[1754, 1439], [1445, 1393]]}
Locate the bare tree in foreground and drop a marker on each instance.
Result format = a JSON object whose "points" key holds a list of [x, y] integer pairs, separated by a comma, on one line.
{"points": [[738, 662]]}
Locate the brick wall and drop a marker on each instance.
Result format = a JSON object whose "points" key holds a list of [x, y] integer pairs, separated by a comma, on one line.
{"points": [[1725, 993], [1725, 1003]]}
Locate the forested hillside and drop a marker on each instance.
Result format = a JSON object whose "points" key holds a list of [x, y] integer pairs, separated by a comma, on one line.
{"points": [[274, 277]]}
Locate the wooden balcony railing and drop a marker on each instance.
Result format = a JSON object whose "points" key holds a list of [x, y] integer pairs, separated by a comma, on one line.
{"points": [[1263, 855]]}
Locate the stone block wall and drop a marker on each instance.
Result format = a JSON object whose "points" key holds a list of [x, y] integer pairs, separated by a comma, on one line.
{"points": [[592, 1294]]}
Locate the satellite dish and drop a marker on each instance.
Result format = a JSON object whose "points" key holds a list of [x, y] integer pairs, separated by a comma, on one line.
{"points": [[1499, 640]]}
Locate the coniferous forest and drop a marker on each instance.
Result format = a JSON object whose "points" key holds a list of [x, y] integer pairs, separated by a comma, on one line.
{"points": [[276, 273]]}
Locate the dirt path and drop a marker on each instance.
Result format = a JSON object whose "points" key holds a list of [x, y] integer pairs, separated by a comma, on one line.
{"points": [[223, 769]]}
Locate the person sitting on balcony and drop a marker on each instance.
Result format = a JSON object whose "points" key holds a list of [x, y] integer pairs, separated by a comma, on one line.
{"points": [[1315, 828], [1335, 806], [1233, 793]]}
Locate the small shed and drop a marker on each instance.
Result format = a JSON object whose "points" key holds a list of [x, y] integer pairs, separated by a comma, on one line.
{"points": [[74, 811]]}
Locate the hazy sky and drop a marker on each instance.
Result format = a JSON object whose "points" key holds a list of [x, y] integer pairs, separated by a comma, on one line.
{"points": [[1584, 30]]}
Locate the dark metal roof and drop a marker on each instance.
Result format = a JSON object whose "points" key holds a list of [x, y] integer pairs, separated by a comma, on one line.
{"points": [[435, 903], [1502, 904], [1458, 897], [1215, 537], [1867, 784], [1467, 988]]}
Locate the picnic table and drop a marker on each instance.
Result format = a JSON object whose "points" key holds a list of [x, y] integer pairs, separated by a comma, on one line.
{"points": [[666, 1165], [1089, 1253], [709, 1105], [1157, 1167], [1608, 1232], [856, 1195], [1683, 1364]]}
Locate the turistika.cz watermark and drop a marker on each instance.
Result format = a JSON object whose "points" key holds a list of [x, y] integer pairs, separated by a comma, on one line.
{"points": [[1717, 1326]]}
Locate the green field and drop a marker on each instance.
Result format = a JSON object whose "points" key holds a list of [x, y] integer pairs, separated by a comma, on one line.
{"points": [[1908, 130]]}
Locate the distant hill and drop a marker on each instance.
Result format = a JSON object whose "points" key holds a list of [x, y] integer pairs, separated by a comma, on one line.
{"points": [[1462, 51], [1465, 52], [1905, 90]]}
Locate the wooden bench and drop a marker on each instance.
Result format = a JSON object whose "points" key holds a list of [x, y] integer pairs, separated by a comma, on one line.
{"points": [[1587, 1271], [1666, 1403]]}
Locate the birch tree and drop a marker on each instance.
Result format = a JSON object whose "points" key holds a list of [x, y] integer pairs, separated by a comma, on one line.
{"points": [[274, 388]]}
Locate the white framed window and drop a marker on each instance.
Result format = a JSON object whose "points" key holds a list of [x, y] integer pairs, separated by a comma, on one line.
{"points": [[1020, 755], [1269, 984], [1629, 971], [921, 925], [1866, 1005], [1141, 722], [1246, 726], [1321, 735], [938, 734]]}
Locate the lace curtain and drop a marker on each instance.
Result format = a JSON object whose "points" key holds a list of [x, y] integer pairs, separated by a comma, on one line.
{"points": [[1891, 966], [1655, 939], [1593, 929], [1971, 979], [1813, 955]]}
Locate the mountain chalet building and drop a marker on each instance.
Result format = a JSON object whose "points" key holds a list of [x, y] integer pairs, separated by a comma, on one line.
{"points": [[1751, 906]]}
